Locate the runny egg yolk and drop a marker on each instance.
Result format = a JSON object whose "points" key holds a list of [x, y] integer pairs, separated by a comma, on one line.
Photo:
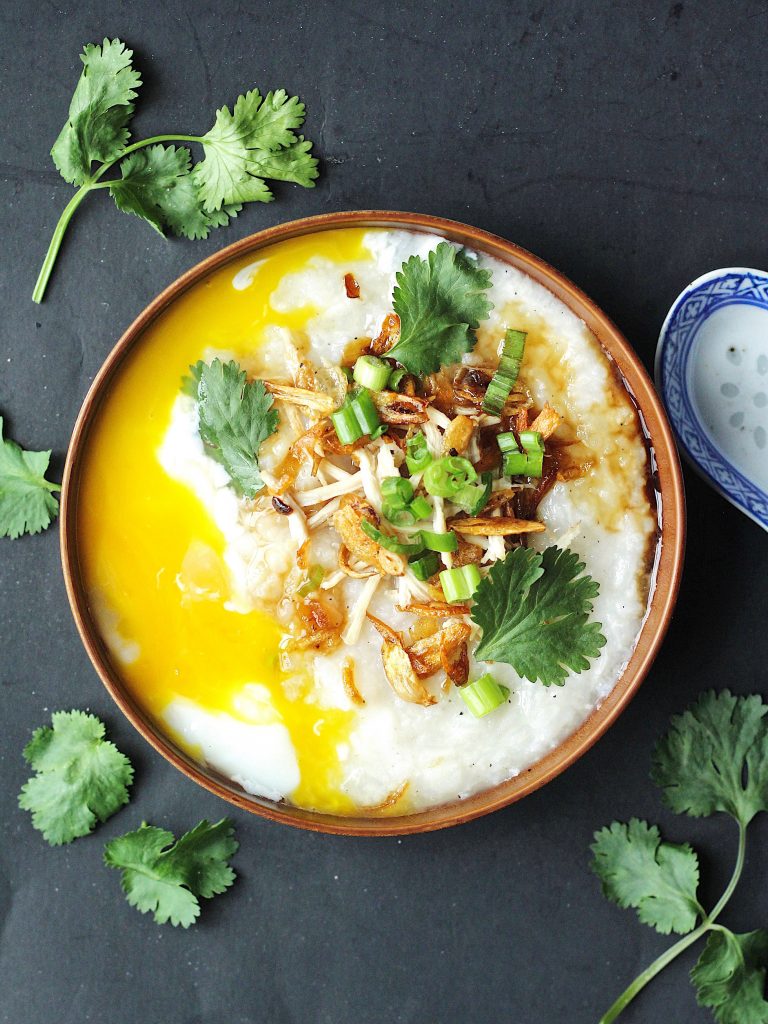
{"points": [[151, 554]]}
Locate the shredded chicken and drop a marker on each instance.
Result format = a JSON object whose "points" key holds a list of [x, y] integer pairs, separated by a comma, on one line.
{"points": [[356, 617], [358, 572]]}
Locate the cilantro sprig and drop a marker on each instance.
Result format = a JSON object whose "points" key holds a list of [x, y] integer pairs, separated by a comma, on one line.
{"points": [[168, 877], [255, 141], [534, 611], [27, 504], [440, 301], [80, 777], [713, 759], [235, 416]]}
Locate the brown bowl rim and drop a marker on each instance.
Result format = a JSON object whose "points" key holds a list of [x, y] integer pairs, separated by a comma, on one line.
{"points": [[668, 483]]}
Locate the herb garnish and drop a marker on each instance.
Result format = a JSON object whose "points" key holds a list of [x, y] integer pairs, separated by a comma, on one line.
{"points": [[80, 779], [167, 877], [27, 504], [534, 609], [234, 417], [714, 758], [255, 141], [440, 302]]}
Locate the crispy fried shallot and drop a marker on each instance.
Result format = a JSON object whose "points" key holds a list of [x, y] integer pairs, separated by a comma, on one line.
{"points": [[466, 554], [401, 676], [351, 512], [437, 609], [351, 286], [361, 572], [385, 632], [455, 663], [322, 623], [400, 410], [305, 376], [493, 526], [458, 435], [547, 421], [348, 680], [425, 654], [388, 335], [301, 396]]}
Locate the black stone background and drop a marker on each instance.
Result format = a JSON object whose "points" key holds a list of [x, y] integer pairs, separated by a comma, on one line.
{"points": [[623, 142]]}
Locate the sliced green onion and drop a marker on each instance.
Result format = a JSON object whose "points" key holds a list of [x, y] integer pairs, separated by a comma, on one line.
{"points": [[379, 431], [365, 411], [391, 543], [440, 541], [397, 489], [532, 441], [313, 581], [396, 514], [371, 372], [344, 420], [417, 454], [524, 459], [396, 378], [420, 507], [347, 371], [505, 378], [474, 497], [461, 583], [446, 476], [424, 566], [483, 695]]}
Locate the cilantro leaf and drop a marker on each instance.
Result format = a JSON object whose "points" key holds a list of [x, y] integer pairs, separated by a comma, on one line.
{"points": [[440, 302], [168, 878], [234, 417], [637, 869], [156, 186], [240, 150], [26, 502], [101, 107], [729, 977], [533, 609], [715, 758], [80, 779]]}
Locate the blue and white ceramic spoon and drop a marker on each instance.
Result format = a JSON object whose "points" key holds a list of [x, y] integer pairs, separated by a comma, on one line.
{"points": [[712, 372]]}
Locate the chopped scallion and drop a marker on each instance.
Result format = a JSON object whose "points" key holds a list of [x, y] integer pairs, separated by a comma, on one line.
{"points": [[397, 489], [313, 581], [365, 410], [417, 454], [474, 497], [524, 459], [396, 378], [483, 695], [420, 507], [371, 372], [460, 584], [445, 477], [505, 378], [424, 566], [348, 430], [389, 542], [440, 541]]}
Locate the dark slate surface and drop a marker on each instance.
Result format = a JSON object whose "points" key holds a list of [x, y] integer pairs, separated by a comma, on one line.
{"points": [[626, 144]]}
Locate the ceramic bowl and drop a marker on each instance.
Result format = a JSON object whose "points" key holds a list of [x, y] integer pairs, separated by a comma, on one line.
{"points": [[712, 371], [665, 478]]}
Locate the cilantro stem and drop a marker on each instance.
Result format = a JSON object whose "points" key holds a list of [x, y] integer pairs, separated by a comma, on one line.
{"points": [[53, 249], [93, 182], [707, 924]]}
